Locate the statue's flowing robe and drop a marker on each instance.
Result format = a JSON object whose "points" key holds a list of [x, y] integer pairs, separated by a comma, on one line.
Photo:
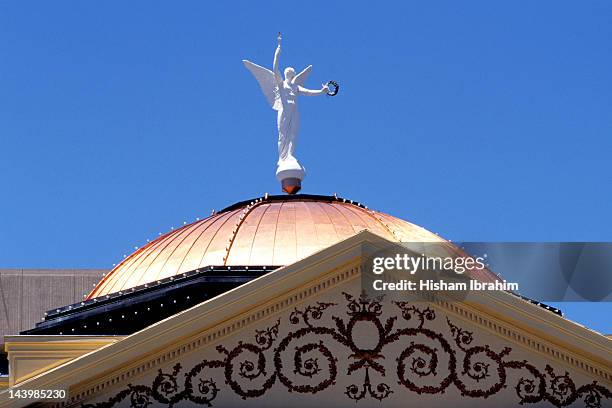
{"points": [[288, 122]]}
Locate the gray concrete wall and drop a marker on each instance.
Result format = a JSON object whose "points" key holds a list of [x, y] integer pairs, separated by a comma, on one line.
{"points": [[26, 294]]}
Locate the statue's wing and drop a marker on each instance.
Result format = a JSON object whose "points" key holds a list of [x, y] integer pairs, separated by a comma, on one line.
{"points": [[267, 83], [301, 78]]}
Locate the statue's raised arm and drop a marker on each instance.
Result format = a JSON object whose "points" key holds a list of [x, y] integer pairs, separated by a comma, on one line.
{"points": [[282, 95], [275, 64]]}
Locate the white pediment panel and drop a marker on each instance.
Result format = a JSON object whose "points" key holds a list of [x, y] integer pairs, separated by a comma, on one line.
{"points": [[337, 349]]}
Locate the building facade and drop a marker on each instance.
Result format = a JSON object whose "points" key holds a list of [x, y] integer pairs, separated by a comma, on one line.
{"points": [[262, 304]]}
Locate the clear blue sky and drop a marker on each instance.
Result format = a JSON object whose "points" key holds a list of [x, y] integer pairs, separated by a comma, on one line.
{"points": [[477, 120]]}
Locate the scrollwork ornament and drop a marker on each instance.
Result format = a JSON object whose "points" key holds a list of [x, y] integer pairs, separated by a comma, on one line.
{"points": [[139, 398], [430, 363]]}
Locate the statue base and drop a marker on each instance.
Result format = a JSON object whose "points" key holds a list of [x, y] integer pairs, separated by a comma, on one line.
{"points": [[290, 173]]}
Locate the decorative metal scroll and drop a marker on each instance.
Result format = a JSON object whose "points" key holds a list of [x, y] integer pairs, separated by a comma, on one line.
{"points": [[429, 363]]}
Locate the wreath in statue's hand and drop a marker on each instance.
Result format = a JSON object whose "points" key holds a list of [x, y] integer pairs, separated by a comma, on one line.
{"points": [[334, 88]]}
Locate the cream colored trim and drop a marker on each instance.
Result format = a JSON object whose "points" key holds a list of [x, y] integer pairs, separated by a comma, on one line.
{"points": [[277, 291], [32, 355], [551, 348]]}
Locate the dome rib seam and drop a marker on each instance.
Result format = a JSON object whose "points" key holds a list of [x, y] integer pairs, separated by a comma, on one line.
{"points": [[245, 213], [331, 222], [206, 227], [204, 253], [168, 240], [348, 222], [280, 210], [373, 214]]}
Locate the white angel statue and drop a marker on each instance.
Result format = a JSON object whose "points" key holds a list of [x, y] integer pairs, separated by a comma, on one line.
{"points": [[282, 95]]}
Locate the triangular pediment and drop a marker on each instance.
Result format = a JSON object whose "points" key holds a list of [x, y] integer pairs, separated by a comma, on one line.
{"points": [[304, 335]]}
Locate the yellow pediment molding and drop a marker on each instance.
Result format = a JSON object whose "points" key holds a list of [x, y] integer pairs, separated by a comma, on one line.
{"points": [[32, 355]]}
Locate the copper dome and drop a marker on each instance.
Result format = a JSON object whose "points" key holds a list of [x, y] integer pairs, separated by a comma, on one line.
{"points": [[271, 231]]}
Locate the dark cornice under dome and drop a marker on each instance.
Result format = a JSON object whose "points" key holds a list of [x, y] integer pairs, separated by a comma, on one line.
{"points": [[129, 311]]}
